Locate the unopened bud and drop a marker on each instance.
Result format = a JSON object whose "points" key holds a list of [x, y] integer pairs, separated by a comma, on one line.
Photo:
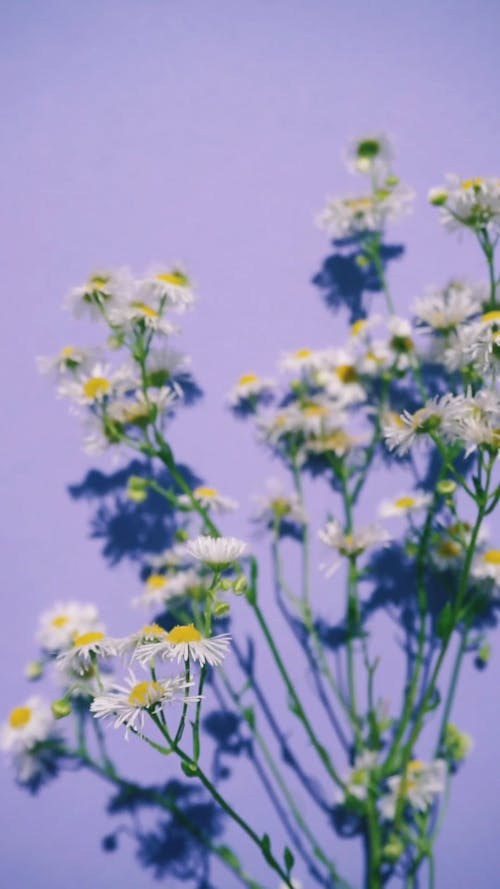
{"points": [[391, 181], [483, 655], [446, 486], [61, 708], [225, 584], [33, 670], [393, 849], [137, 489], [438, 197], [362, 261], [181, 535], [240, 585], [220, 609]]}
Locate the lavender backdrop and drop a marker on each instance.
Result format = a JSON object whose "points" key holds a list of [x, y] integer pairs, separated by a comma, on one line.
{"points": [[207, 132]]}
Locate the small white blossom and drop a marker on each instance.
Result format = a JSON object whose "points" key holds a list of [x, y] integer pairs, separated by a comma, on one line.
{"points": [[185, 643], [404, 504], [209, 498], [128, 704], [216, 551], [352, 544], [420, 786]]}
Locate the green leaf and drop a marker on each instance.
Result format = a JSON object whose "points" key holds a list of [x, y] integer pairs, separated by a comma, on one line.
{"points": [[445, 621], [249, 716], [266, 846], [228, 855], [288, 859]]}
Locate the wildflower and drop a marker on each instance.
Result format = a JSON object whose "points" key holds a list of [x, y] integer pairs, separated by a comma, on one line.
{"points": [[368, 154], [103, 291], [354, 215], [352, 544], [474, 203], [209, 498], [219, 552], [444, 310], [27, 725], [419, 787], [86, 648], [138, 312], [250, 388], [128, 704], [437, 416], [69, 360], [305, 360], [486, 566], [159, 589], [456, 744], [170, 287], [404, 504], [59, 625], [89, 387], [358, 779], [184, 643], [277, 506]]}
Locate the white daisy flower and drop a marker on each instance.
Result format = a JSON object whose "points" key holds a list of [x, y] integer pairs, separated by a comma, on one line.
{"points": [[26, 726], [69, 360], [378, 358], [176, 556], [103, 290], [128, 704], [216, 551], [90, 387], [86, 683], [84, 650], [128, 315], [184, 643], [278, 505], [159, 589], [471, 202], [445, 309], [439, 415], [165, 365], [482, 345], [354, 544], [358, 779], [140, 410], [250, 387], [404, 504], [422, 783], [147, 634], [401, 343], [170, 287], [486, 566], [209, 498], [60, 624], [361, 328], [346, 217], [306, 360], [368, 154], [336, 441]]}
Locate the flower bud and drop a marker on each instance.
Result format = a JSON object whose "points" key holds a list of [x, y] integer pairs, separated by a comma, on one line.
{"points": [[394, 848], [61, 708], [181, 535], [446, 487], [137, 489], [391, 181], [456, 744], [33, 670], [225, 584], [438, 197], [240, 585], [220, 609], [362, 261]]}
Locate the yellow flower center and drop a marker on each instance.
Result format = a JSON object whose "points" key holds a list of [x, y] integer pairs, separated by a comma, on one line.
{"points": [[246, 379], [490, 317], [187, 633], [156, 582], [99, 281], [96, 386], [152, 630], [492, 557], [449, 549], [176, 278], [302, 353], [415, 766], [346, 373], [315, 410], [67, 352], [88, 639], [472, 183], [145, 310], [60, 621], [144, 694], [280, 507], [358, 203], [20, 717], [337, 439], [358, 327], [405, 503], [205, 492]]}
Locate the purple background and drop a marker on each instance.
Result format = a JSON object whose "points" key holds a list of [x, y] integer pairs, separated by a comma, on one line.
{"points": [[210, 133]]}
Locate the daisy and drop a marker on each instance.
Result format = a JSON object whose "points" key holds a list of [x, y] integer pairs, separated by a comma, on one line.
{"points": [[305, 360], [159, 589], [147, 634], [277, 506], [422, 783], [27, 725], [70, 359], [59, 625], [439, 415], [141, 313], [90, 387], [84, 651], [128, 704], [486, 566], [209, 498], [176, 556], [170, 287], [166, 366], [141, 409], [474, 203], [354, 544], [250, 388], [368, 154], [86, 683], [354, 215], [216, 551], [184, 643], [404, 504], [103, 290], [457, 744], [335, 441], [358, 779], [444, 310]]}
